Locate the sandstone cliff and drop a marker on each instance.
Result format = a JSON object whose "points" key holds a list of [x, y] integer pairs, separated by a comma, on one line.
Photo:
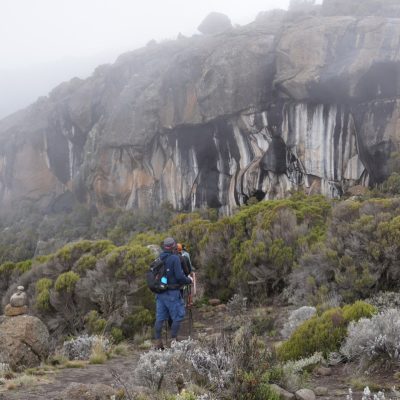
{"points": [[286, 102]]}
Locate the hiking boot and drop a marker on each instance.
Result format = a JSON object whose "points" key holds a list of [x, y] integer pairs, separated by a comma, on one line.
{"points": [[158, 345]]}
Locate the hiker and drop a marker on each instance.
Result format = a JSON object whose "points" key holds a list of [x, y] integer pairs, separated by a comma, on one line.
{"points": [[187, 255], [169, 304], [185, 262]]}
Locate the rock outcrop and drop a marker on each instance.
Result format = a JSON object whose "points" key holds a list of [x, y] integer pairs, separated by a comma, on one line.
{"points": [[281, 104], [24, 342]]}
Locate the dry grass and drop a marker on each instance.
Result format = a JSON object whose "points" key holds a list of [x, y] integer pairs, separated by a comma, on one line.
{"points": [[98, 355]]}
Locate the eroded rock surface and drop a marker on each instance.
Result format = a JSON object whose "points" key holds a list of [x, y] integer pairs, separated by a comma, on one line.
{"points": [[281, 104], [24, 341]]}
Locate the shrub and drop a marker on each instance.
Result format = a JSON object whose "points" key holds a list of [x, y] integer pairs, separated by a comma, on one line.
{"points": [[296, 318], [292, 377], [95, 324], [384, 300], [323, 333], [66, 282], [136, 322], [81, 347], [42, 301], [98, 353], [87, 261], [374, 340], [117, 335]]}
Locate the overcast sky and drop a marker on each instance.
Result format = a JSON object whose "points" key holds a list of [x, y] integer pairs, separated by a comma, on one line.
{"points": [[43, 42]]}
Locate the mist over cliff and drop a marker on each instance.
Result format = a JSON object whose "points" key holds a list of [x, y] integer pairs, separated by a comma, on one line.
{"points": [[295, 100]]}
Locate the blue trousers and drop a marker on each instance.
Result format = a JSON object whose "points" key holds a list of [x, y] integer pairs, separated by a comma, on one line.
{"points": [[169, 305]]}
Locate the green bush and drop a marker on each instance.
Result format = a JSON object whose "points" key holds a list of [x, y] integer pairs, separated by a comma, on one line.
{"points": [[250, 386], [94, 323], [86, 262], [117, 335], [323, 333], [42, 300], [66, 282], [136, 322]]}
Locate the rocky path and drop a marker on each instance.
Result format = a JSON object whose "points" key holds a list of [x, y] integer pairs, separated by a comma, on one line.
{"points": [[60, 381]]}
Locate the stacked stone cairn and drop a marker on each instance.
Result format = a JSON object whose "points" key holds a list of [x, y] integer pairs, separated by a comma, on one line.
{"points": [[18, 303]]}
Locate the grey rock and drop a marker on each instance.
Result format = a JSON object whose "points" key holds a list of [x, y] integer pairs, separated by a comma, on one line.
{"points": [[215, 23], [19, 299], [321, 391], [323, 371], [305, 394], [24, 342], [283, 394]]}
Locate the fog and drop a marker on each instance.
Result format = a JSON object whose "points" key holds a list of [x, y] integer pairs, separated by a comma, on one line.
{"points": [[45, 42]]}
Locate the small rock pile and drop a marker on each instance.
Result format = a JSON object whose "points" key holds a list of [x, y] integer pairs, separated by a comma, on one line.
{"points": [[18, 304]]}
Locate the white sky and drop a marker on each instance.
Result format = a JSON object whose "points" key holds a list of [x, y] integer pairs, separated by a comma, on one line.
{"points": [[44, 42]]}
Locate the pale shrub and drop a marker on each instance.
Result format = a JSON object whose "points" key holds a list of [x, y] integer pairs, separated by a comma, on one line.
{"points": [[292, 378], [374, 340], [81, 347], [296, 318], [385, 300], [183, 357]]}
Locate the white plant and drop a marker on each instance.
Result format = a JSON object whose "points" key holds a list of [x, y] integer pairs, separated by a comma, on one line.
{"points": [[81, 347], [292, 370], [375, 339], [296, 318]]}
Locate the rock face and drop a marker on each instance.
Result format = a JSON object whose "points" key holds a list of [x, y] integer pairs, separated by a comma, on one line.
{"points": [[310, 103], [24, 342]]}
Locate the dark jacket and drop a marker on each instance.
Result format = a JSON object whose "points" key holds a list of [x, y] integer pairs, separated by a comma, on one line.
{"points": [[175, 275]]}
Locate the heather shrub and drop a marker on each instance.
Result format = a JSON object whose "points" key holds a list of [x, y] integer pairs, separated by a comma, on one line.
{"points": [[375, 340], [296, 318], [81, 347], [323, 333], [66, 282], [385, 300], [294, 373]]}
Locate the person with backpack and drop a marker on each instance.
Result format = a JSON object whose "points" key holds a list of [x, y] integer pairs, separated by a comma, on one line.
{"points": [[187, 256], [185, 262], [169, 302]]}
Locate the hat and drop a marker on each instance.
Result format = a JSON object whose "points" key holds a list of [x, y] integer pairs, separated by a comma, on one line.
{"points": [[169, 243]]}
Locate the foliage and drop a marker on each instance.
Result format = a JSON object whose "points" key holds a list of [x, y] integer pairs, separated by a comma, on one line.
{"points": [[66, 282], [42, 301], [374, 340], [94, 323], [137, 321], [292, 377], [323, 333], [81, 347], [296, 318], [385, 300]]}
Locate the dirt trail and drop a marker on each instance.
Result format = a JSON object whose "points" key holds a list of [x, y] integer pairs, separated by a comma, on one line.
{"points": [[61, 380]]}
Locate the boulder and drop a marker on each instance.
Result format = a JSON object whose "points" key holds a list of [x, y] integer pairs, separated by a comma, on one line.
{"points": [[283, 394], [215, 23], [323, 371], [305, 394], [321, 391], [24, 342], [80, 391], [11, 311]]}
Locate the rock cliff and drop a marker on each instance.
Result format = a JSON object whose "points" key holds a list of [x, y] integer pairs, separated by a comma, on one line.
{"points": [[286, 102]]}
